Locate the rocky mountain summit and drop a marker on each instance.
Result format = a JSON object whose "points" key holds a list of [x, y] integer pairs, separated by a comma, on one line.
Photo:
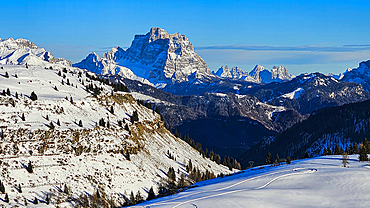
{"points": [[359, 75], [160, 57], [258, 75], [22, 51]]}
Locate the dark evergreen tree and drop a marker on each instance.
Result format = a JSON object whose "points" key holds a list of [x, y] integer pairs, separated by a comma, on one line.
{"points": [[151, 194], [111, 110], [355, 148], [33, 96], [35, 201], [2, 187], [325, 152], [47, 200], [306, 155], [23, 118], [68, 82], [119, 123], [19, 188], [16, 95], [268, 159], [55, 88], [363, 154], [58, 122], [277, 159], [127, 155], [6, 198], [2, 134], [102, 122], [66, 190], [25, 202], [108, 124], [126, 128], [8, 92], [134, 117], [337, 150], [366, 146], [132, 198], [51, 125], [59, 73], [288, 161], [138, 198], [80, 124], [6, 75], [329, 151], [350, 149], [29, 168], [71, 100]]}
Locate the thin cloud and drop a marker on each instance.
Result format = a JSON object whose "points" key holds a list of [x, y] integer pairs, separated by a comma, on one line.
{"points": [[346, 48]]}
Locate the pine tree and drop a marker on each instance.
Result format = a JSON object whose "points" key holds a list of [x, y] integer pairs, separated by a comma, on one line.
{"points": [[35, 201], [80, 124], [51, 125], [108, 124], [355, 148], [59, 73], [6, 198], [2, 187], [47, 200], [138, 198], [47, 117], [306, 155], [119, 123], [8, 92], [329, 151], [277, 159], [29, 168], [71, 100], [23, 118], [268, 159], [102, 122], [363, 154], [132, 198], [25, 202], [350, 149], [55, 88], [16, 95], [190, 165], [68, 82], [6, 75], [58, 122], [336, 150], [126, 128], [2, 134], [288, 161], [127, 155], [33, 96], [366, 146], [19, 188], [134, 117], [111, 110], [151, 194], [66, 190]]}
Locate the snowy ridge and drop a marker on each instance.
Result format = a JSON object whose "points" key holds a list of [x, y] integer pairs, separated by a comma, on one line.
{"points": [[258, 75], [294, 95], [100, 153], [22, 51]]}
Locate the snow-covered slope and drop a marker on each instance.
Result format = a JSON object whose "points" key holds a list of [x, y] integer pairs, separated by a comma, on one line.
{"points": [[85, 157], [315, 182], [160, 57], [22, 51]]}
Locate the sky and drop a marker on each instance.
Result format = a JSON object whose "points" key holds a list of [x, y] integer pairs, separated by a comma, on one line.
{"points": [[304, 36]]}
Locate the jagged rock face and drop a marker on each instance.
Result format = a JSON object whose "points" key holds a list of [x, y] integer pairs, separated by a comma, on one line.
{"points": [[22, 51], [309, 92], [157, 56], [360, 75], [258, 75]]}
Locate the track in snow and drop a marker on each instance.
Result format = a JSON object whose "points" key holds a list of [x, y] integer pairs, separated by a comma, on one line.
{"points": [[296, 171]]}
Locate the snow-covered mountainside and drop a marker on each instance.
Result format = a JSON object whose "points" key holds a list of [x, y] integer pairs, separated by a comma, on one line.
{"points": [[324, 128], [315, 182], [22, 51], [360, 75], [258, 75], [160, 57], [309, 92], [85, 142]]}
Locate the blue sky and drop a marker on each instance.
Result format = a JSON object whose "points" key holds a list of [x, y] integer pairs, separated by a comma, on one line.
{"points": [[304, 36]]}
